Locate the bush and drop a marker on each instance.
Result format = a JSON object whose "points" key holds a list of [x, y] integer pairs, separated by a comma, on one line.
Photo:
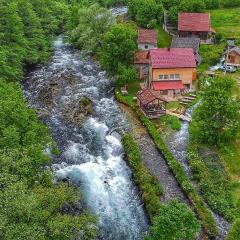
{"points": [[149, 187], [234, 233], [210, 174], [175, 221], [174, 122], [126, 75]]}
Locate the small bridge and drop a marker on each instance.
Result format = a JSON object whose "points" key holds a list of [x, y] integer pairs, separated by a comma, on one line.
{"points": [[180, 116]]}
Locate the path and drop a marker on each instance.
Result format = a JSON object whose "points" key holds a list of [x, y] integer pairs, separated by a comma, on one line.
{"points": [[154, 161]]}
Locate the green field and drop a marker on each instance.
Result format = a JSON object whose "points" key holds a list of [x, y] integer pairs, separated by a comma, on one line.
{"points": [[226, 22]]}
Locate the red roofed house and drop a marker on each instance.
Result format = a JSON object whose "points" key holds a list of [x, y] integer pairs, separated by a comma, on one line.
{"points": [[171, 70], [147, 39], [196, 25]]}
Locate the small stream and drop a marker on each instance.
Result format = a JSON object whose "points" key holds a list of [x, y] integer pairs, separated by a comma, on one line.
{"points": [[178, 143], [91, 150]]}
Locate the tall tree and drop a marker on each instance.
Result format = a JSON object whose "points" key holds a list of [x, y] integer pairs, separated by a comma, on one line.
{"points": [[119, 46], [93, 23], [12, 41], [37, 46], [217, 119]]}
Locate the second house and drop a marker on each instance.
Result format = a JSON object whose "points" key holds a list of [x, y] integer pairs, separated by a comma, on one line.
{"points": [[171, 71]]}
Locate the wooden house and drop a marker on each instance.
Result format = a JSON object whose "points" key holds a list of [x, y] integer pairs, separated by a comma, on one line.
{"points": [[196, 25], [233, 57], [171, 71], [147, 39]]}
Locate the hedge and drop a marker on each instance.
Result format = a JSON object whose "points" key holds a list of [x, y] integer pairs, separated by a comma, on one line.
{"points": [[149, 187], [205, 215]]}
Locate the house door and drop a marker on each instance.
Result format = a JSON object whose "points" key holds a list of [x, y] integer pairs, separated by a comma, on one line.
{"points": [[232, 59]]}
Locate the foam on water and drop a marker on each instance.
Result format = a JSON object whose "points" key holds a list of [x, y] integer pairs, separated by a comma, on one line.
{"points": [[91, 154]]}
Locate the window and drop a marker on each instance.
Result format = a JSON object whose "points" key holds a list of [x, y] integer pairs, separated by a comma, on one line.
{"points": [[164, 92], [161, 77], [177, 76], [166, 77], [174, 77]]}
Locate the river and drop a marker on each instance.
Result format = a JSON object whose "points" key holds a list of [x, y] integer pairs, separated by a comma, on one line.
{"points": [[91, 150], [178, 143]]}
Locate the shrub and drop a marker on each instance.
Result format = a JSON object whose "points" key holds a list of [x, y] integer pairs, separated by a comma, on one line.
{"points": [[149, 187], [175, 221], [210, 174], [234, 232], [126, 75]]}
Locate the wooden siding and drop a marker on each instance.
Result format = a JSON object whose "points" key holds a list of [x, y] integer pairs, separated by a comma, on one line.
{"points": [[233, 58]]}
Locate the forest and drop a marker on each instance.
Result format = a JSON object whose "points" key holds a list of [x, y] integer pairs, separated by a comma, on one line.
{"points": [[32, 204]]}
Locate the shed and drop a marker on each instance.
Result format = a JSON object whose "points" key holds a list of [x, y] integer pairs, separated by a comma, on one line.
{"points": [[151, 105]]}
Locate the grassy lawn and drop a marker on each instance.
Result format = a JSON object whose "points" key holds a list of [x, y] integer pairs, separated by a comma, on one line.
{"points": [[164, 39], [226, 22], [132, 88]]}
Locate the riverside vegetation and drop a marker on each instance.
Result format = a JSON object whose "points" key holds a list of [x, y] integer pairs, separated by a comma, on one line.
{"points": [[27, 193], [32, 206]]}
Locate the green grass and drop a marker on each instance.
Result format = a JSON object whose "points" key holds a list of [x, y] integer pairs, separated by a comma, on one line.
{"points": [[211, 55], [164, 39], [174, 105], [226, 22], [212, 179], [168, 121], [132, 88]]}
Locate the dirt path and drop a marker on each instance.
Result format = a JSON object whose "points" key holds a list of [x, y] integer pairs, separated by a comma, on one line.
{"points": [[153, 159]]}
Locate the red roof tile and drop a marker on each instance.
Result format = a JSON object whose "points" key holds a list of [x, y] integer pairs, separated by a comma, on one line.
{"points": [[147, 36], [167, 85], [141, 57], [172, 58], [197, 22]]}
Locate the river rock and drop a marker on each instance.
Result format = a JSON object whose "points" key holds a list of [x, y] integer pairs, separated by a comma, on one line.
{"points": [[72, 208], [80, 113]]}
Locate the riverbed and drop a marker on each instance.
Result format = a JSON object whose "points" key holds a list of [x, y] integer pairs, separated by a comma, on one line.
{"points": [[91, 150]]}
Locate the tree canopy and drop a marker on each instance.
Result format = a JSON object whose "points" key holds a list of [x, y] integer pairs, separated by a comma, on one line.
{"points": [[217, 119], [119, 46]]}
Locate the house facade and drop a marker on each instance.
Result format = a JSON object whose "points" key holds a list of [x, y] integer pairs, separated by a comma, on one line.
{"points": [[196, 25], [233, 57], [147, 39], [171, 71]]}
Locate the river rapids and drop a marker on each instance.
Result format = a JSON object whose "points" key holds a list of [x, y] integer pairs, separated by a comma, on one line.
{"points": [[91, 151]]}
